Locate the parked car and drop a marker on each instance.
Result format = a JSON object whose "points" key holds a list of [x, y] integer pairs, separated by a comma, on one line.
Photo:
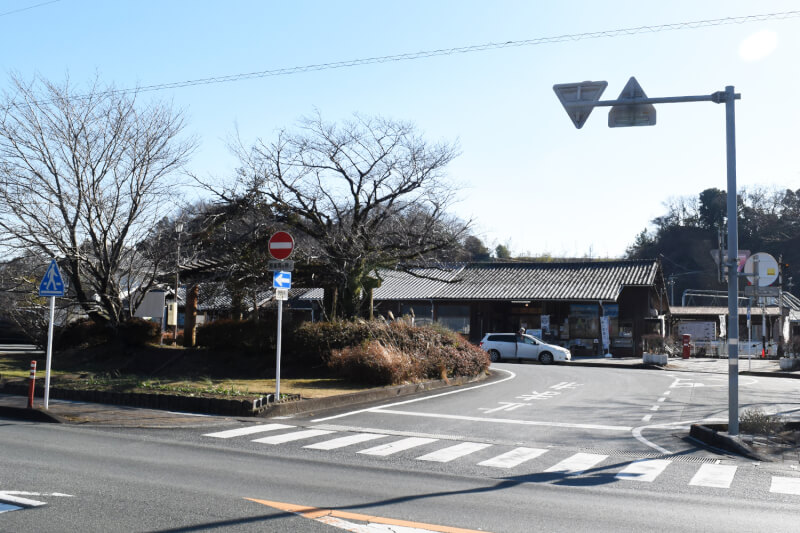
{"points": [[520, 347]]}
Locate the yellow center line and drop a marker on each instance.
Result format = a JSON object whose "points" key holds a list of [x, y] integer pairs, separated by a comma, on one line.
{"points": [[316, 512]]}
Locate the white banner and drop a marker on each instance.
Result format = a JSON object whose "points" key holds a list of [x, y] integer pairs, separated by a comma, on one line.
{"points": [[604, 331]]}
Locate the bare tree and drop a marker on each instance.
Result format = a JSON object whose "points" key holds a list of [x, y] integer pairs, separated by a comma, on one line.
{"points": [[83, 177], [365, 195]]}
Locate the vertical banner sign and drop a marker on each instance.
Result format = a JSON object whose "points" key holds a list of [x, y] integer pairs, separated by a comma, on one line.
{"points": [[604, 332], [545, 324], [52, 285]]}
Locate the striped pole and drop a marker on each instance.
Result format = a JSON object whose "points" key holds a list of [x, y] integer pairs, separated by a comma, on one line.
{"points": [[33, 381]]}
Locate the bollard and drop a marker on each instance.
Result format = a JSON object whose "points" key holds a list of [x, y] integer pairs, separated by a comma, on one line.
{"points": [[33, 382]]}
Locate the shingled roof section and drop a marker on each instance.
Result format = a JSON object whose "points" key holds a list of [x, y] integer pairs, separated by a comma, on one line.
{"points": [[599, 280]]}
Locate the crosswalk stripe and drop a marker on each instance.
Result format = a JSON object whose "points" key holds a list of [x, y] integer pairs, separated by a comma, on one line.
{"points": [[577, 464], [397, 446], [644, 469], [785, 485], [515, 457], [454, 452], [717, 476], [289, 437], [248, 430], [341, 442]]}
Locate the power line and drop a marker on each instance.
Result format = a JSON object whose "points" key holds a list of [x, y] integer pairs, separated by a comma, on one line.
{"points": [[468, 49], [622, 32], [27, 8]]}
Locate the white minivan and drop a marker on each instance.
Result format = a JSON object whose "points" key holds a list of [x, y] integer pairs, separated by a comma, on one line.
{"points": [[520, 347]]}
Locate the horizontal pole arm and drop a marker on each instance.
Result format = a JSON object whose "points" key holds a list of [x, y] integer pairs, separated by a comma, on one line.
{"points": [[716, 98]]}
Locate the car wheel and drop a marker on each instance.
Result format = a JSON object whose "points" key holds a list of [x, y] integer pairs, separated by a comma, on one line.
{"points": [[546, 358], [494, 356]]}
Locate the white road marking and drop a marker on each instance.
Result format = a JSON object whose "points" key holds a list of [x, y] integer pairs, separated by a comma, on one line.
{"points": [[661, 400], [717, 476], [515, 457], [397, 446], [504, 406], [341, 442], [505, 420], [577, 464], [637, 432], [667, 393], [5, 497], [655, 408], [26, 493], [297, 435], [785, 485], [456, 391], [644, 470], [248, 430], [646, 418], [454, 452]]}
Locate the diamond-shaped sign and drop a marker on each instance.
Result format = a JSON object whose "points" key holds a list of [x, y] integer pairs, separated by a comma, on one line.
{"points": [[578, 98], [621, 116]]}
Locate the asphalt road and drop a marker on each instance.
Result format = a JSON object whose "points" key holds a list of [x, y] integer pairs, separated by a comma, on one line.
{"points": [[542, 449]]}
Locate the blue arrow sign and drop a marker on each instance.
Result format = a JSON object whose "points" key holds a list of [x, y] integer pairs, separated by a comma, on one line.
{"points": [[52, 284], [282, 280]]}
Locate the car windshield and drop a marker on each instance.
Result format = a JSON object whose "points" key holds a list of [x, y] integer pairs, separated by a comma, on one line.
{"points": [[527, 339]]}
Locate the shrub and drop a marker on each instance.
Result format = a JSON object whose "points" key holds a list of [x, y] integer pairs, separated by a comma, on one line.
{"points": [[243, 335], [385, 354], [81, 333], [137, 331], [373, 363], [755, 421]]}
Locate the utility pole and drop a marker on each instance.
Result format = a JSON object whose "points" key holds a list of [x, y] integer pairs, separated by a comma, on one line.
{"points": [[634, 108]]}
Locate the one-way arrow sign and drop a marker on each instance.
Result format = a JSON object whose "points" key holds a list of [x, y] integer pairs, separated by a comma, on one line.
{"points": [[52, 283], [282, 280]]}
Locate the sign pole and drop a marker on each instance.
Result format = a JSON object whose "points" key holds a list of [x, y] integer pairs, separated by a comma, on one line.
{"points": [[632, 108], [733, 260], [278, 354], [49, 353]]}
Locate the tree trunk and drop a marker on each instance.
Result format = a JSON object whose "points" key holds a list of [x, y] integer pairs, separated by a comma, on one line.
{"points": [[190, 318], [236, 304], [330, 302]]}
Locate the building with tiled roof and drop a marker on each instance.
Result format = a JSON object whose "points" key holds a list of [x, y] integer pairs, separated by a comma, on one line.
{"points": [[561, 301]]}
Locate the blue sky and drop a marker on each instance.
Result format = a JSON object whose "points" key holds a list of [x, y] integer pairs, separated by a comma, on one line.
{"points": [[526, 176]]}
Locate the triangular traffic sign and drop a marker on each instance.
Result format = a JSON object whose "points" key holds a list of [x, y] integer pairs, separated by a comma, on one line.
{"points": [[621, 116], [52, 283], [578, 98]]}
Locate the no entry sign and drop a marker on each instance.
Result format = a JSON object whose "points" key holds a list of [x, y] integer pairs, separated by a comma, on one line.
{"points": [[281, 245]]}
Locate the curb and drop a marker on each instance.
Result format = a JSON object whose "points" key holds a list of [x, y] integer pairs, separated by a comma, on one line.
{"points": [[217, 406], [714, 435], [634, 366], [371, 395], [33, 415], [778, 374]]}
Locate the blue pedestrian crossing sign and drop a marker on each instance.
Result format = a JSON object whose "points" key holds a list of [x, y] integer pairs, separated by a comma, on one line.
{"points": [[52, 283], [282, 280]]}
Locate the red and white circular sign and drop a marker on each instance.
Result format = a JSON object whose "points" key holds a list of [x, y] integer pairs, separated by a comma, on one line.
{"points": [[281, 245]]}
